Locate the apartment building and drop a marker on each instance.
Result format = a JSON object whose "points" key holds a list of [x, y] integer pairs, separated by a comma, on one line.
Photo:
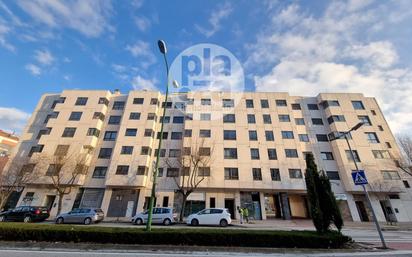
{"points": [[257, 144], [7, 143]]}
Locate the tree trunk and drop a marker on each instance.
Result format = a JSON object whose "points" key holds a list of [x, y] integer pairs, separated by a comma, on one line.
{"points": [[182, 210], [60, 203]]}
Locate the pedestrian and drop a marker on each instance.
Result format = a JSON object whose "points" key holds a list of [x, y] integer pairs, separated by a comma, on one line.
{"points": [[240, 210], [246, 214]]}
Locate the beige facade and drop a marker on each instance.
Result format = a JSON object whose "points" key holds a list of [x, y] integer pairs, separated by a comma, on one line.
{"points": [[258, 143]]}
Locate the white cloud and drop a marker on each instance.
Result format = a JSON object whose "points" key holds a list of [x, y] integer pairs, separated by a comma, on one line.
{"points": [[44, 57], [89, 17], [140, 83], [4, 30], [12, 119], [142, 23], [222, 11], [34, 69], [381, 54], [142, 50]]}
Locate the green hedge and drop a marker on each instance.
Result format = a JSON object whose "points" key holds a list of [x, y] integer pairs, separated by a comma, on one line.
{"points": [[177, 236]]}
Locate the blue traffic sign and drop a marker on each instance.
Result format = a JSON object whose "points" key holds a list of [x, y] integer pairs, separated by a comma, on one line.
{"points": [[359, 177]]}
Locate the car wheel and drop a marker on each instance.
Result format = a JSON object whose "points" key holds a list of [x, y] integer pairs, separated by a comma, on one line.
{"points": [[27, 219], [87, 221], [2, 218], [167, 222], [138, 221], [194, 222], [223, 223], [60, 220]]}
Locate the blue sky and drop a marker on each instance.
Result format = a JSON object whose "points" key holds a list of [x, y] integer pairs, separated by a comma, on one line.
{"points": [[303, 47]]}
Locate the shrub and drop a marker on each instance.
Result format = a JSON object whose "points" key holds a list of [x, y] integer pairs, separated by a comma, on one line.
{"points": [[184, 236]]}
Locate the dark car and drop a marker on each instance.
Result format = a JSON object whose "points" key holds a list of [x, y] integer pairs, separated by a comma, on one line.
{"points": [[25, 214]]}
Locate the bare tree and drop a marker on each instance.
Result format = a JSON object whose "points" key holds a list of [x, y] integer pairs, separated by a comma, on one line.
{"points": [[18, 173], [65, 171], [381, 189], [405, 162], [193, 167]]}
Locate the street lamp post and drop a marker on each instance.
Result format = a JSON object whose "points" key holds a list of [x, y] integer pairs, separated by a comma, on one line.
{"points": [[345, 135], [162, 47]]}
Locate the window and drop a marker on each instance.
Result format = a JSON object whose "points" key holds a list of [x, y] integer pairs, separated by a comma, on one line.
{"points": [[110, 136], [61, 150], [204, 151], [154, 101], [75, 116], [229, 118], [205, 116], [317, 121], [390, 175], [138, 100], [249, 103], [380, 128], [190, 101], [69, 132], [336, 118], [254, 153], [134, 116], [176, 136], [204, 171], [251, 119], [43, 132], [365, 120], [151, 116], [372, 137], [300, 121], [35, 149], [272, 155], [230, 153], [264, 103], [253, 135], [269, 135], [358, 105], [291, 153], [167, 104], [103, 100], [114, 120], [275, 174], [98, 115], [126, 150], [81, 101], [205, 101], [131, 132], [204, 133], [189, 116], [142, 170], [281, 103], [178, 119], [146, 150], [175, 153], [164, 135], [388, 145], [161, 154], [296, 107], [53, 115], [231, 174], [53, 170], [118, 105], [172, 172], [165, 120], [313, 107], [188, 133], [326, 104], [148, 133], [105, 153], [406, 184], [229, 135], [322, 137], [284, 118], [257, 173], [93, 132], [355, 154], [160, 172], [333, 175], [228, 103], [295, 173], [99, 172], [287, 135], [58, 101], [326, 156], [267, 119], [335, 135], [122, 169], [381, 154], [303, 138], [187, 150]]}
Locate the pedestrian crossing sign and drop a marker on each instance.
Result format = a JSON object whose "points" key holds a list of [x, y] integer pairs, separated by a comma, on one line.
{"points": [[359, 177]]}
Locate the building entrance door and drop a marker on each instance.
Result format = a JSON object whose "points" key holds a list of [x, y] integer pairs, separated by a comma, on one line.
{"points": [[123, 202], [49, 201], [362, 210], [230, 205]]}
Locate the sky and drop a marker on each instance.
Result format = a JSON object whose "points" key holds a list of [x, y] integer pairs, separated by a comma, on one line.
{"points": [[300, 47]]}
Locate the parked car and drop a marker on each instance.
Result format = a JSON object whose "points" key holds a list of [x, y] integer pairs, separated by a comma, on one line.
{"points": [[25, 214], [161, 215], [213, 216], [84, 216]]}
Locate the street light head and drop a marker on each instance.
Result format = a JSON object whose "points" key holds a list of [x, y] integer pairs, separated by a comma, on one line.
{"points": [[175, 84], [162, 46], [357, 126]]}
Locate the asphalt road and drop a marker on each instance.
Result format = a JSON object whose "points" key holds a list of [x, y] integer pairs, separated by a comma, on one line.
{"points": [[64, 253]]}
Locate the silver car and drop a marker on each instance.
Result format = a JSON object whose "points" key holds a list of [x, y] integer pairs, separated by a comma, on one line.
{"points": [[84, 216], [161, 215]]}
